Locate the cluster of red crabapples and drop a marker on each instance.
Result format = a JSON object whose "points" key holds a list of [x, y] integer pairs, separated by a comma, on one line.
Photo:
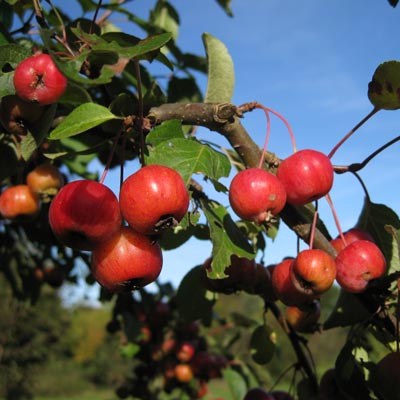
{"points": [[86, 215], [37, 83], [169, 348], [307, 175]]}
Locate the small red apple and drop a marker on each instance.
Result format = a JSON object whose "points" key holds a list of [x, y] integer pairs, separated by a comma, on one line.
{"points": [[350, 236], [357, 264], [153, 199], [185, 351], [307, 175], [127, 261], [304, 319], [283, 286], [256, 195], [183, 373], [37, 79], [84, 213], [17, 115], [45, 179], [313, 272], [18, 202]]}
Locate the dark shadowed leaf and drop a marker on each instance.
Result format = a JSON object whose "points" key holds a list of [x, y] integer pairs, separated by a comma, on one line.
{"points": [[193, 300], [262, 346], [384, 88]]}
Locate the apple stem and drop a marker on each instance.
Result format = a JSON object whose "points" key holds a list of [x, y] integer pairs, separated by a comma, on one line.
{"points": [[268, 134], [367, 196], [140, 111], [289, 128], [355, 128], [96, 13], [110, 156], [313, 226], [335, 217]]}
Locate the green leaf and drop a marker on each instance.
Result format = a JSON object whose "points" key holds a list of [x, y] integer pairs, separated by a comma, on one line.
{"points": [[262, 346], [226, 5], [38, 133], [192, 298], [81, 119], [226, 237], [188, 157], [165, 17], [13, 54], [374, 218], [221, 75], [347, 311], [384, 88], [349, 374], [236, 383], [75, 95], [168, 130], [7, 84]]}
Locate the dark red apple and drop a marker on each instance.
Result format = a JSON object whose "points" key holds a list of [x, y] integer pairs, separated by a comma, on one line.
{"points": [[357, 264], [127, 261], [281, 395], [19, 202], [185, 351], [37, 79], [350, 236], [307, 175], [313, 272], [258, 394], [84, 213], [283, 286], [153, 199], [304, 319], [17, 115], [256, 195]]}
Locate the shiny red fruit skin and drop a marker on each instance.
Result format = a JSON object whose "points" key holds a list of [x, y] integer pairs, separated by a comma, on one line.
{"points": [[84, 213], [283, 287], [357, 264], [127, 261], [153, 199], [307, 175], [256, 194], [18, 201], [350, 236], [314, 270], [37, 79]]}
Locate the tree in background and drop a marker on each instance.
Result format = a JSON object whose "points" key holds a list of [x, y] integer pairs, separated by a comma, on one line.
{"points": [[79, 89]]}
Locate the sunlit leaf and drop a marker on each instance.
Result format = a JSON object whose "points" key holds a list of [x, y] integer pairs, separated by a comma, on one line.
{"points": [[236, 383], [221, 75], [226, 237], [81, 119], [188, 157]]}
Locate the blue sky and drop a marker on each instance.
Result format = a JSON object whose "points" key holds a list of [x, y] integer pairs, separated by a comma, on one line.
{"points": [[312, 62]]}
